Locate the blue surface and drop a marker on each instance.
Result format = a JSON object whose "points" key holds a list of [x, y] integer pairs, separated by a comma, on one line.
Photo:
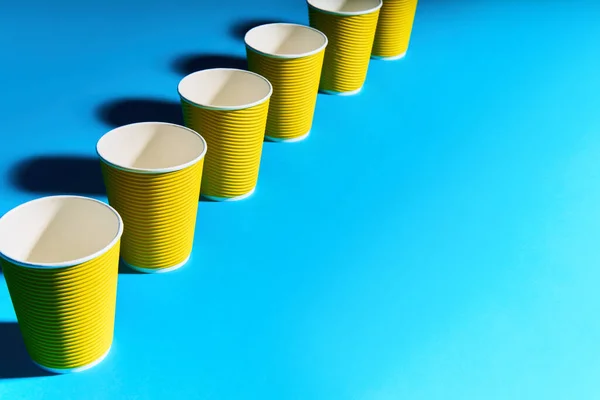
{"points": [[436, 237]]}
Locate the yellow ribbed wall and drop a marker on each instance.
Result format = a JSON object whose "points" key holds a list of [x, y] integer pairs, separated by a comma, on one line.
{"points": [[66, 314], [295, 86], [394, 28], [234, 139], [159, 213], [349, 50]]}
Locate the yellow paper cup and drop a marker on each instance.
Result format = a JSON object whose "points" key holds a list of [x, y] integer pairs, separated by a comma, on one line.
{"points": [[290, 56], [350, 27], [152, 172], [60, 257], [393, 29], [229, 108]]}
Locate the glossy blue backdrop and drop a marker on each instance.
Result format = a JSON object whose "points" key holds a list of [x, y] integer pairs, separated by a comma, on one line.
{"points": [[436, 237]]}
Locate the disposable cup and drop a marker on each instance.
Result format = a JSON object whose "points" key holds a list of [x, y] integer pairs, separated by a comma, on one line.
{"points": [[290, 56], [350, 27], [394, 29], [229, 108], [60, 258], [152, 173]]}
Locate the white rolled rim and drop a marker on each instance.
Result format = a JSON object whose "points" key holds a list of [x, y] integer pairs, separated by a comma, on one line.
{"points": [[345, 13], [299, 55], [151, 170], [225, 108], [69, 263]]}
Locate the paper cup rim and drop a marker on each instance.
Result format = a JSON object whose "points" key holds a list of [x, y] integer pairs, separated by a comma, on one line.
{"points": [[226, 108], [69, 263], [346, 13], [151, 171], [287, 56]]}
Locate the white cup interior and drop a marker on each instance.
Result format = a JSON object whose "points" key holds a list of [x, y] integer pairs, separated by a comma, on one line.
{"points": [[225, 88], [58, 230], [151, 147], [285, 40], [346, 6]]}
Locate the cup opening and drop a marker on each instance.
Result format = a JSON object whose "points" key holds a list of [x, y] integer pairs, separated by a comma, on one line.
{"points": [[58, 231], [151, 147], [225, 88], [347, 7], [285, 40]]}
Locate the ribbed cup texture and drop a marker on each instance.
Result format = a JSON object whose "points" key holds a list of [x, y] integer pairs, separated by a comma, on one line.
{"points": [[158, 211], [394, 27], [67, 314], [295, 84], [235, 140], [349, 50]]}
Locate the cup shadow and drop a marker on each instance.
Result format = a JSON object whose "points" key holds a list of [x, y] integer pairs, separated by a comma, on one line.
{"points": [[125, 270], [190, 63], [206, 199], [126, 111], [15, 361], [59, 174]]}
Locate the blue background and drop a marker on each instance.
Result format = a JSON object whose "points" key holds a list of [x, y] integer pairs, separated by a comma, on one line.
{"points": [[436, 237]]}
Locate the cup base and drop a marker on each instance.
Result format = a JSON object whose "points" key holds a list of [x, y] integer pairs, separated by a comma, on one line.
{"points": [[236, 198], [287, 140], [334, 93], [77, 369], [157, 270], [392, 58]]}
